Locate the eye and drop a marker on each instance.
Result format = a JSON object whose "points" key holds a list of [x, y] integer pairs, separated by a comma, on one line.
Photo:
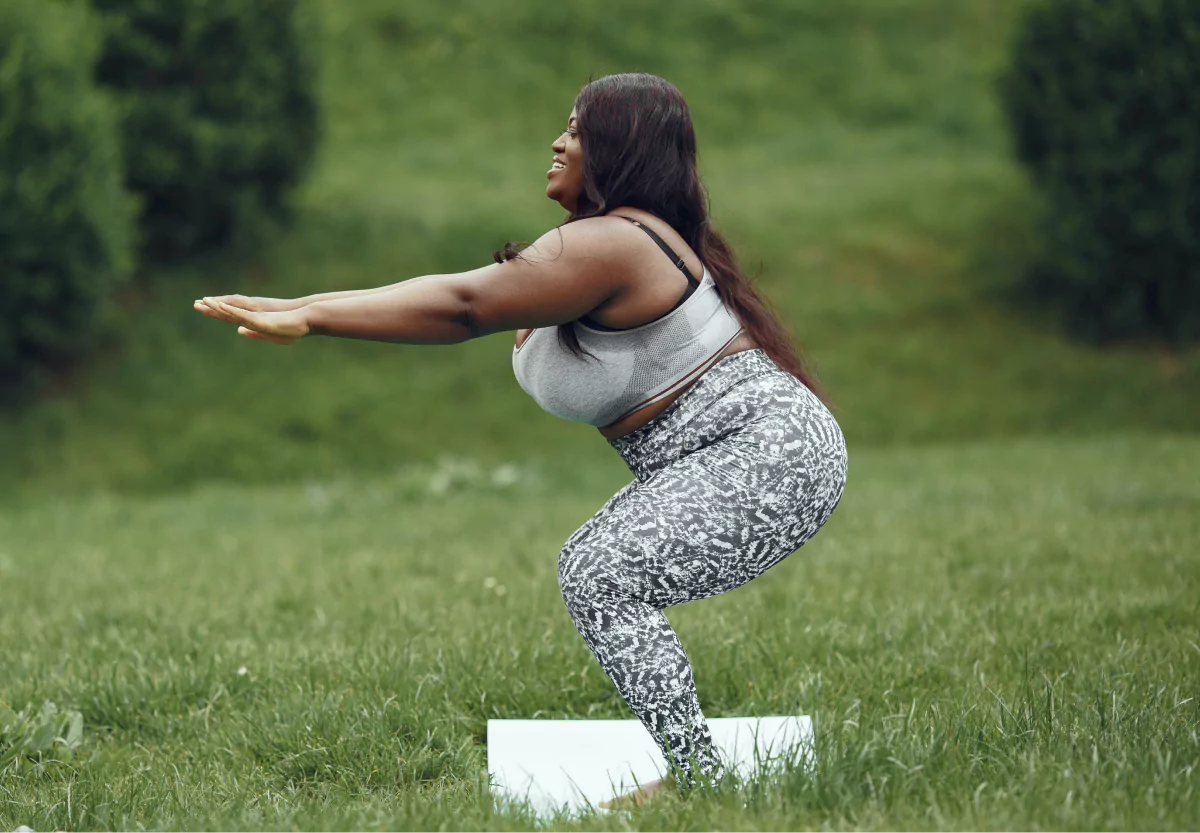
{"points": [[571, 131]]}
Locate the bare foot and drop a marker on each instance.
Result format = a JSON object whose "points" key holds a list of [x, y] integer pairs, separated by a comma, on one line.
{"points": [[637, 797]]}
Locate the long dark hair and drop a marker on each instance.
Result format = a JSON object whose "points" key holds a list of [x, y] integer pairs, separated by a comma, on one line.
{"points": [[639, 150]]}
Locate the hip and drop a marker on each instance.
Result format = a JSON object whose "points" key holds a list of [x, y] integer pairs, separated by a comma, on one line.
{"points": [[752, 414]]}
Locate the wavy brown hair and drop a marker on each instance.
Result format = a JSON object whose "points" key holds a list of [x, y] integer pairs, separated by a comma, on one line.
{"points": [[639, 150]]}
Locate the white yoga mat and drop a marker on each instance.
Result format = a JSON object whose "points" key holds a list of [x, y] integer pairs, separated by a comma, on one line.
{"points": [[574, 764]]}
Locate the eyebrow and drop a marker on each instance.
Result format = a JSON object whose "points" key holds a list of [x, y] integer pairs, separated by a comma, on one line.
{"points": [[572, 119]]}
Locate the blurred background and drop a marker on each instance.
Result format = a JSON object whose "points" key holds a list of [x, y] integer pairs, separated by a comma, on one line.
{"points": [[865, 157]]}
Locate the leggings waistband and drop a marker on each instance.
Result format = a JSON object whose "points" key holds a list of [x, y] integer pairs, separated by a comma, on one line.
{"points": [[644, 449]]}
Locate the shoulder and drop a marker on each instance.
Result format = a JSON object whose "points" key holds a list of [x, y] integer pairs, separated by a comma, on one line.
{"points": [[592, 240], [564, 274]]}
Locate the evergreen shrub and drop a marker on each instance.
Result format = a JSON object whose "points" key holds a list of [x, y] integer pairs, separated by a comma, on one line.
{"points": [[219, 113], [1103, 97], [66, 222]]}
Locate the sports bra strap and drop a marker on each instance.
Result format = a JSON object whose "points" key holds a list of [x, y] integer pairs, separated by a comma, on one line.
{"points": [[693, 284], [662, 244]]}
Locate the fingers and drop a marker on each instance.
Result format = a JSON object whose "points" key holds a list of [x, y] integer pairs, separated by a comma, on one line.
{"points": [[212, 309], [248, 333], [212, 305], [240, 301], [212, 312], [250, 324], [232, 314]]}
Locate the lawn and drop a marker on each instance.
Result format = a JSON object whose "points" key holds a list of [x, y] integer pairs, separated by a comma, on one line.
{"points": [[989, 635], [286, 587]]}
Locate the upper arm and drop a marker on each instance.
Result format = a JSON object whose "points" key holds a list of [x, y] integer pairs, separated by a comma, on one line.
{"points": [[564, 274]]}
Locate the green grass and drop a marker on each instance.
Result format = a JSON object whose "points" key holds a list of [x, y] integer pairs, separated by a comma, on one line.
{"points": [[998, 628], [994, 635]]}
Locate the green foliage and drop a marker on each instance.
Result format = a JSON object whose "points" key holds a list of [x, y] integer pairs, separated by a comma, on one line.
{"points": [[875, 238], [1102, 98], [65, 222], [220, 112], [31, 738]]}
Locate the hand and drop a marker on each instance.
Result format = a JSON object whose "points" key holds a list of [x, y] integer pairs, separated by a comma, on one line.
{"points": [[256, 304], [281, 327]]}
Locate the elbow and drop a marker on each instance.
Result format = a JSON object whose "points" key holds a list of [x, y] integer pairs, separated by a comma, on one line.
{"points": [[466, 317], [466, 322]]}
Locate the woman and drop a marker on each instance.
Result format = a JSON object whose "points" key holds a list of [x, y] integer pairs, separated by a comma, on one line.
{"points": [[634, 317]]}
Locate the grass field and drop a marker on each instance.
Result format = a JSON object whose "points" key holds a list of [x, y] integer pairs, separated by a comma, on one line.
{"points": [[997, 635], [286, 588]]}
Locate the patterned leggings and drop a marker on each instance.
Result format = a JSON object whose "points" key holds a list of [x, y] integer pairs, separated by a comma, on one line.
{"points": [[738, 472]]}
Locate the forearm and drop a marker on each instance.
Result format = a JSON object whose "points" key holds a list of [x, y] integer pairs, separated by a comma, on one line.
{"points": [[427, 310], [352, 293]]}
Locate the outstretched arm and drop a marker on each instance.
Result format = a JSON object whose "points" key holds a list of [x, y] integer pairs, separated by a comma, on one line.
{"points": [[256, 303], [354, 293], [563, 275], [429, 310]]}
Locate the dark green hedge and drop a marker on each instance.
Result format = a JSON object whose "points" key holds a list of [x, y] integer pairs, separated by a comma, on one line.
{"points": [[220, 116], [1104, 101], [66, 223]]}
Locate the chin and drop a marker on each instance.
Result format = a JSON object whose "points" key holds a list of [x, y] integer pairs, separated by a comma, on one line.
{"points": [[560, 199], [558, 193]]}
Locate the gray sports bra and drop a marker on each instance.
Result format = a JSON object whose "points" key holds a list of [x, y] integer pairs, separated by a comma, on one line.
{"points": [[632, 368]]}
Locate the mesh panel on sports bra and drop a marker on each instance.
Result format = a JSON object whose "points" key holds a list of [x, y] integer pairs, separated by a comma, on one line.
{"points": [[666, 349]]}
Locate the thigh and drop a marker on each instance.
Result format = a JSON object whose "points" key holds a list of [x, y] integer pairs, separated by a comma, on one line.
{"points": [[710, 521]]}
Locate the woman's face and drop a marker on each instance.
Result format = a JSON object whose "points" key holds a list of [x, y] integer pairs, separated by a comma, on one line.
{"points": [[566, 173]]}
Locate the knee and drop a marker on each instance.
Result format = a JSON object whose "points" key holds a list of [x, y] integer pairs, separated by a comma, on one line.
{"points": [[574, 570], [587, 574]]}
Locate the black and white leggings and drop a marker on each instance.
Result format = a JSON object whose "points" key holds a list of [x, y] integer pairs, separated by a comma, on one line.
{"points": [[738, 472]]}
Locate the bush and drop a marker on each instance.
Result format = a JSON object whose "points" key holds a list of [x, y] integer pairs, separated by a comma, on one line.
{"points": [[1103, 97], [220, 113], [66, 224]]}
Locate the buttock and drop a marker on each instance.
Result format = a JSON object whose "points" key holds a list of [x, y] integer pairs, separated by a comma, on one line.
{"points": [[717, 501]]}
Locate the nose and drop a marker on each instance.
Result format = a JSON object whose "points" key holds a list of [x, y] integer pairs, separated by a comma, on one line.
{"points": [[559, 145]]}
